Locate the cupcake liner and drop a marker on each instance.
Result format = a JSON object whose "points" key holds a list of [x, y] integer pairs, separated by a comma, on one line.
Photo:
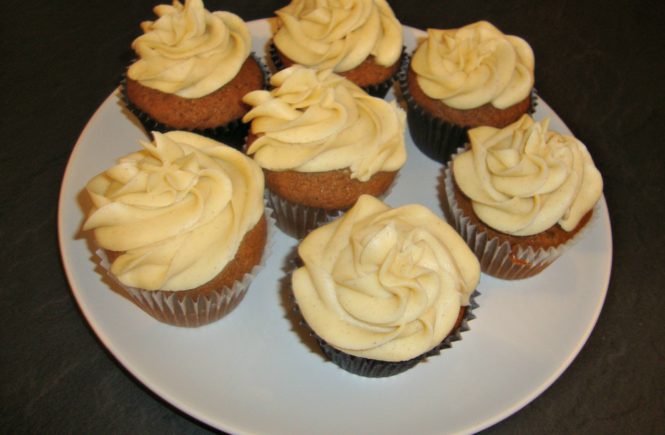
{"points": [[232, 134], [378, 90], [371, 368], [297, 220], [181, 309], [500, 258], [435, 138]]}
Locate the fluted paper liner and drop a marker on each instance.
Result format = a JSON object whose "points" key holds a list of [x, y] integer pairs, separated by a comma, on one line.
{"points": [[178, 308], [496, 256], [232, 133], [297, 220], [378, 90]]}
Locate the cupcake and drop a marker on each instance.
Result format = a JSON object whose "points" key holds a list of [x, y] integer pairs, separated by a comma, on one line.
{"points": [[384, 288], [180, 226], [520, 195], [322, 142], [193, 68], [359, 39], [464, 78]]}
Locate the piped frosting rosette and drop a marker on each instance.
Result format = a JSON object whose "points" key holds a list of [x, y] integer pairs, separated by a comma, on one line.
{"points": [[168, 219], [315, 122], [381, 288], [475, 65], [189, 51], [531, 189], [339, 35]]}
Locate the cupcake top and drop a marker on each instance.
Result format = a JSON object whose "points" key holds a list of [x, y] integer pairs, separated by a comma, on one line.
{"points": [[176, 211], [338, 34], [189, 51], [524, 179], [317, 121], [474, 65], [385, 284]]}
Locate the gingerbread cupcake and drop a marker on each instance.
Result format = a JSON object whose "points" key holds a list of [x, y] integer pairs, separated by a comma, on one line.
{"points": [[384, 288], [180, 226], [193, 67], [464, 78], [360, 40], [322, 142], [520, 195]]}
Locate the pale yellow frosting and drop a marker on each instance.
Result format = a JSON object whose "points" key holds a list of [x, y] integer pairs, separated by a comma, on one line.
{"points": [[385, 284], [177, 210], [338, 34], [189, 51], [317, 121], [474, 65], [524, 179]]}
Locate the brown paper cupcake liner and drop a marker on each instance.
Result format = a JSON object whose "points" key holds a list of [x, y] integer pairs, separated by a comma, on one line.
{"points": [[372, 368], [297, 220], [498, 257], [435, 138], [378, 90], [232, 134], [177, 308]]}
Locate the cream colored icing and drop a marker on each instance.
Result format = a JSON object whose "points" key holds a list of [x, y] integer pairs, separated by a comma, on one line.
{"points": [[317, 121], [177, 210], [524, 178], [385, 284], [474, 65], [338, 34], [189, 51]]}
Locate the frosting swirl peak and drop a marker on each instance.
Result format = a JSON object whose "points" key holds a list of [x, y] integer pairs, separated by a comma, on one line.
{"points": [[176, 211], [382, 283], [524, 179], [317, 121], [189, 51], [338, 34], [474, 65]]}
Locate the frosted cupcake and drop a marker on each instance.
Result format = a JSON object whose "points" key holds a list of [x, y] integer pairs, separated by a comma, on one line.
{"points": [[384, 288], [181, 226], [322, 142], [192, 70], [358, 39], [464, 78], [520, 195]]}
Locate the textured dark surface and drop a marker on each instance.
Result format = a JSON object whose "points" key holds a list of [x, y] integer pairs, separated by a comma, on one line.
{"points": [[598, 65]]}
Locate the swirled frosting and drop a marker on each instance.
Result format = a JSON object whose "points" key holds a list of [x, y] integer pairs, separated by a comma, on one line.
{"points": [[474, 65], [317, 121], [385, 284], [189, 51], [176, 210], [524, 179], [338, 34]]}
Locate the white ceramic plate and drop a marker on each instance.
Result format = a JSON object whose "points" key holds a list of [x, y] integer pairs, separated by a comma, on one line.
{"points": [[252, 373]]}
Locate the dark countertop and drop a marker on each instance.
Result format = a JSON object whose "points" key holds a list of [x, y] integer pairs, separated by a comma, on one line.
{"points": [[599, 66]]}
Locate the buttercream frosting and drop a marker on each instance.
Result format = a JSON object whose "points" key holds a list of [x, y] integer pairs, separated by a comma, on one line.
{"points": [[176, 211], [474, 65], [189, 51], [385, 284], [525, 178], [338, 34], [317, 121]]}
